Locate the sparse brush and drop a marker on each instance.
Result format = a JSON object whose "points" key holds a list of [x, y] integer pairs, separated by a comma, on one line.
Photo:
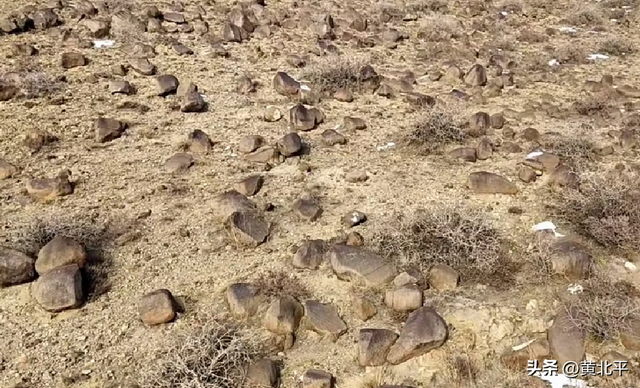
{"points": [[617, 46], [462, 370], [215, 355], [329, 75], [435, 130], [538, 256], [379, 377], [32, 83], [572, 53], [603, 309], [281, 283], [462, 239], [577, 151], [441, 28], [605, 209], [586, 14], [596, 105]]}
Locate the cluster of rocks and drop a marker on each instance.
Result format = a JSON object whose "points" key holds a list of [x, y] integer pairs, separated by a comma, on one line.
{"points": [[57, 272]]}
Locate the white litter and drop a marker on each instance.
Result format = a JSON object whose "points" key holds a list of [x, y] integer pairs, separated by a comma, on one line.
{"points": [[305, 88], [568, 30], [554, 62], [504, 13], [522, 346], [533, 155], [575, 289], [595, 57], [547, 225], [630, 266], [562, 381], [103, 43], [386, 146]]}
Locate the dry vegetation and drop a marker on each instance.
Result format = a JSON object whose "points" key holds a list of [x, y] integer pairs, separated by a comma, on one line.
{"points": [[604, 308], [214, 355], [579, 152], [435, 130], [463, 239], [329, 75], [605, 209], [276, 283]]}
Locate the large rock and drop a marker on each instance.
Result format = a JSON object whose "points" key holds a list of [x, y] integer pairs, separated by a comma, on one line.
{"points": [[192, 102], [442, 277], [405, 298], [69, 60], [424, 331], [167, 84], [7, 170], [45, 18], [59, 289], [284, 315], [363, 308], [630, 333], [108, 129], [374, 345], [571, 259], [324, 319], [302, 118], [310, 254], [199, 142], [483, 182], [315, 378], [59, 252], [230, 202], [307, 209], [290, 144], [262, 374], [284, 84], [157, 307], [248, 228], [47, 189], [348, 261], [566, 338], [243, 300], [15, 267]]}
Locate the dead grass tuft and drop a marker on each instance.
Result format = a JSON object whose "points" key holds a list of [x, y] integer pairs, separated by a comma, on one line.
{"points": [[433, 131], [602, 310], [215, 355], [616, 46], [571, 53], [577, 151], [280, 283], [331, 74], [32, 83], [586, 14], [462, 370], [605, 209], [596, 105], [441, 28], [464, 240]]}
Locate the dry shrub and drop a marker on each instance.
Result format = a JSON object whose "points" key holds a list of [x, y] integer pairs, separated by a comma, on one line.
{"points": [[616, 46], [96, 233], [281, 283], [331, 74], [462, 239], [537, 258], [428, 6], [572, 53], [603, 309], [605, 209], [380, 377], [215, 355], [531, 36], [433, 131], [32, 83], [586, 14], [596, 105], [466, 371], [441, 28], [577, 151]]}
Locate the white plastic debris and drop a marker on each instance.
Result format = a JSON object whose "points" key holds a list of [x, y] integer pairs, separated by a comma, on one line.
{"points": [[595, 57], [305, 88], [568, 30], [575, 289], [522, 346], [554, 62], [103, 43], [547, 225], [562, 381], [533, 155], [630, 266], [504, 13], [386, 146]]}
